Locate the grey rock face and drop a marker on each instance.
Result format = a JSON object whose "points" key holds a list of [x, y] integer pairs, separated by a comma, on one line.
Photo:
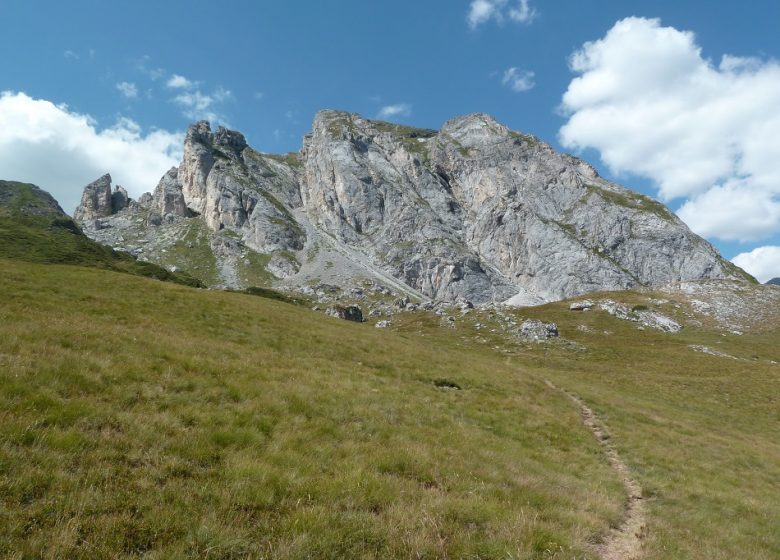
{"points": [[99, 201], [234, 187], [481, 212], [473, 212], [168, 198], [119, 199], [95, 200]]}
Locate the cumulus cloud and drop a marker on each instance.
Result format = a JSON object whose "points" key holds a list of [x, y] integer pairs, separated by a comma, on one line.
{"points": [[482, 11], [518, 80], [393, 111], [127, 89], [61, 150], [762, 262], [648, 101], [179, 82]]}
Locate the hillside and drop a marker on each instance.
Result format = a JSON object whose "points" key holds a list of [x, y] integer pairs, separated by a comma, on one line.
{"points": [[34, 228], [171, 422]]}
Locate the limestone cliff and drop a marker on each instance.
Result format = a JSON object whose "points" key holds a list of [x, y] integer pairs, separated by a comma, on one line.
{"points": [[474, 212]]}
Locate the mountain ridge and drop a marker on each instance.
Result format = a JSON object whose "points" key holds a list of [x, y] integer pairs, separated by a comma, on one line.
{"points": [[474, 211]]}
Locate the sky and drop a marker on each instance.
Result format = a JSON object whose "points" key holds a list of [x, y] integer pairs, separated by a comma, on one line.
{"points": [[677, 99]]}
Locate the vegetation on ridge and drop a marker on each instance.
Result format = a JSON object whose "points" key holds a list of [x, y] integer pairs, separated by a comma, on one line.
{"points": [[33, 230]]}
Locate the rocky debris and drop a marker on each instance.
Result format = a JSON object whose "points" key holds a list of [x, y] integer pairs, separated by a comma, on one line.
{"points": [[348, 313], [283, 266], [642, 315], [735, 307], [710, 351], [581, 305], [382, 324], [533, 329]]}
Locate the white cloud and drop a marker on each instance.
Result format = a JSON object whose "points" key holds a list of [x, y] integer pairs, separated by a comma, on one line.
{"points": [[648, 101], [518, 80], [762, 262], [61, 151], [179, 82], [392, 111], [127, 89], [482, 11], [71, 55]]}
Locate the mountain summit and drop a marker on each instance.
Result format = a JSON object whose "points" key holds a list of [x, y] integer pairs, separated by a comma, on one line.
{"points": [[474, 211]]}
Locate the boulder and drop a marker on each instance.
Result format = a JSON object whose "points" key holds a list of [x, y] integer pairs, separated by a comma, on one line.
{"points": [[347, 313]]}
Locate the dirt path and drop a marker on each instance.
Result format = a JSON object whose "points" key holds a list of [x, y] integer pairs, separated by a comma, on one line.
{"points": [[625, 542]]}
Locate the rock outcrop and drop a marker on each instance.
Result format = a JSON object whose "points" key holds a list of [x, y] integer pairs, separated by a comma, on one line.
{"points": [[99, 201], [473, 212], [95, 200]]}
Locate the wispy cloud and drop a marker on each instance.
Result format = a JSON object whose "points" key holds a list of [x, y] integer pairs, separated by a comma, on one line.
{"points": [[523, 12], [127, 89], [482, 11], [518, 80], [144, 65], [71, 55], [201, 106], [395, 110], [259, 95]]}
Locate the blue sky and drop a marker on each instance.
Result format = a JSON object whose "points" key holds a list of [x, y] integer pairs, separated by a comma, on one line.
{"points": [[265, 68]]}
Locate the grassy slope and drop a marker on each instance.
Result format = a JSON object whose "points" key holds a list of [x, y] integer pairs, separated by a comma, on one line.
{"points": [[701, 433], [157, 420], [32, 230]]}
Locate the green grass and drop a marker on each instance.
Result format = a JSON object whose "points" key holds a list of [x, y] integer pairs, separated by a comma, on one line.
{"points": [[701, 433], [291, 158], [179, 423], [193, 253], [633, 200]]}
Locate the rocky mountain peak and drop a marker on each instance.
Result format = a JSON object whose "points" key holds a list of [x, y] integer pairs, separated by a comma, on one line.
{"points": [[474, 212], [200, 133], [475, 129], [230, 141]]}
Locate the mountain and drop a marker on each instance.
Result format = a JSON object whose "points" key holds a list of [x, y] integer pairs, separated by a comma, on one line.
{"points": [[34, 228], [474, 211], [774, 282]]}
